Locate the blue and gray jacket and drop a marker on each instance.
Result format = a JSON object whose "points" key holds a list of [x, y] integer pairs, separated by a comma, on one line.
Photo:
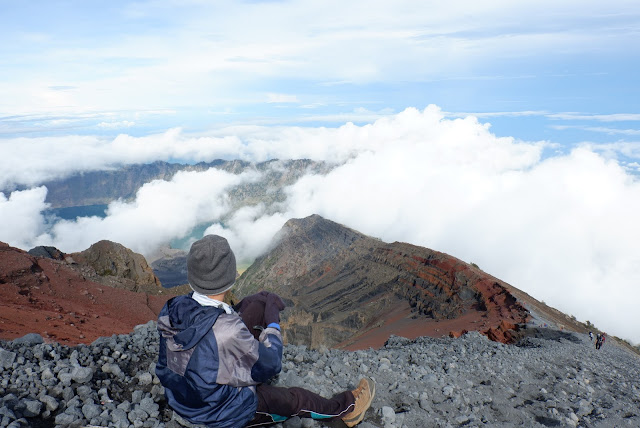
{"points": [[209, 362]]}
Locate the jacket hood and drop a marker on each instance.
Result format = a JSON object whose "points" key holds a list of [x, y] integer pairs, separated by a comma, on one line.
{"points": [[186, 321]]}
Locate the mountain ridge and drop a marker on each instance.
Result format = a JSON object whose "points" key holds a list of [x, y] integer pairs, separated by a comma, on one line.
{"points": [[96, 188], [25, 285], [341, 282]]}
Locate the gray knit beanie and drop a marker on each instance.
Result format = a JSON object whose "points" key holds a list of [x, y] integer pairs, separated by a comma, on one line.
{"points": [[211, 265]]}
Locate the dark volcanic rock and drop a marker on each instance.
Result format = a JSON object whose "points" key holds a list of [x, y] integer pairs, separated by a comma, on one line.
{"points": [[48, 252], [349, 290]]}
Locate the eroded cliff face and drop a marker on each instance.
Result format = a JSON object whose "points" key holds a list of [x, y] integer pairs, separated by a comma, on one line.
{"points": [[348, 290], [47, 296]]}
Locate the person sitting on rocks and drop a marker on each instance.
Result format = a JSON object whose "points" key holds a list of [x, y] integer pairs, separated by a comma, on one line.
{"points": [[215, 360]]}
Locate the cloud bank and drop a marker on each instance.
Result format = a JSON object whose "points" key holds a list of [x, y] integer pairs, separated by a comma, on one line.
{"points": [[562, 228]]}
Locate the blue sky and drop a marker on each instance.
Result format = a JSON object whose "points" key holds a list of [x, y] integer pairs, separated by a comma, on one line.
{"points": [[140, 67], [504, 133]]}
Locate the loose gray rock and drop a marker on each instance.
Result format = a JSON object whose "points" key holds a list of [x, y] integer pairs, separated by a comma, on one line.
{"points": [[82, 374], [6, 358], [550, 379], [32, 408], [50, 402], [29, 339], [91, 410]]}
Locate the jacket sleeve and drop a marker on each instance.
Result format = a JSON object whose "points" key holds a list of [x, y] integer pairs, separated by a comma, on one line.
{"points": [[243, 360], [269, 361]]}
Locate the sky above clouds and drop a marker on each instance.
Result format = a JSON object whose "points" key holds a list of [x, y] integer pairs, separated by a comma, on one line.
{"points": [[503, 133]]}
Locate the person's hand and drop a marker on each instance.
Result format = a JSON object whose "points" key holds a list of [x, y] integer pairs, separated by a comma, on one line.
{"points": [[272, 308], [273, 304]]}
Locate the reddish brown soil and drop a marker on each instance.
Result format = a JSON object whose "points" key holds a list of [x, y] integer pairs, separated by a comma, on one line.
{"points": [[40, 295]]}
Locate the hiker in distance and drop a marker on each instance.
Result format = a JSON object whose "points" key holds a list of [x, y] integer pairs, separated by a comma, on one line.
{"points": [[215, 360]]}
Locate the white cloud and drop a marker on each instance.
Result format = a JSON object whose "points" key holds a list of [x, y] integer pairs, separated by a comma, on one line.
{"points": [[162, 211], [563, 228], [614, 117], [250, 231], [282, 98], [116, 125], [21, 219], [31, 161], [218, 53]]}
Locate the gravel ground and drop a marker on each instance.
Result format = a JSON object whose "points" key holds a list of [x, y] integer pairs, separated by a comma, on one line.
{"points": [[551, 378]]}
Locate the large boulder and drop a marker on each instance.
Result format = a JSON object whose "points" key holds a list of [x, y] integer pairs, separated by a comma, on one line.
{"points": [[115, 265]]}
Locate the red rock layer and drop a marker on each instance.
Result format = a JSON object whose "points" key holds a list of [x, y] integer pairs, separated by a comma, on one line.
{"points": [[475, 301], [40, 295]]}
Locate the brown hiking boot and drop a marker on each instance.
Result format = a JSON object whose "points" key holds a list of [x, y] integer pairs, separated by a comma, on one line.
{"points": [[363, 395]]}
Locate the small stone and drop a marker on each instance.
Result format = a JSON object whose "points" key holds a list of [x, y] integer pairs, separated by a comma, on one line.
{"points": [[388, 415], [65, 378], [82, 374], [46, 374], [50, 402], [32, 408], [144, 378], [136, 396], [119, 418], [64, 419], [149, 406], [447, 391], [294, 422], [91, 410], [125, 405], [6, 358]]}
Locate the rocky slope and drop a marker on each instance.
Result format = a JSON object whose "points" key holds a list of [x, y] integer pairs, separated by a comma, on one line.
{"points": [[549, 378], [352, 291], [52, 297]]}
